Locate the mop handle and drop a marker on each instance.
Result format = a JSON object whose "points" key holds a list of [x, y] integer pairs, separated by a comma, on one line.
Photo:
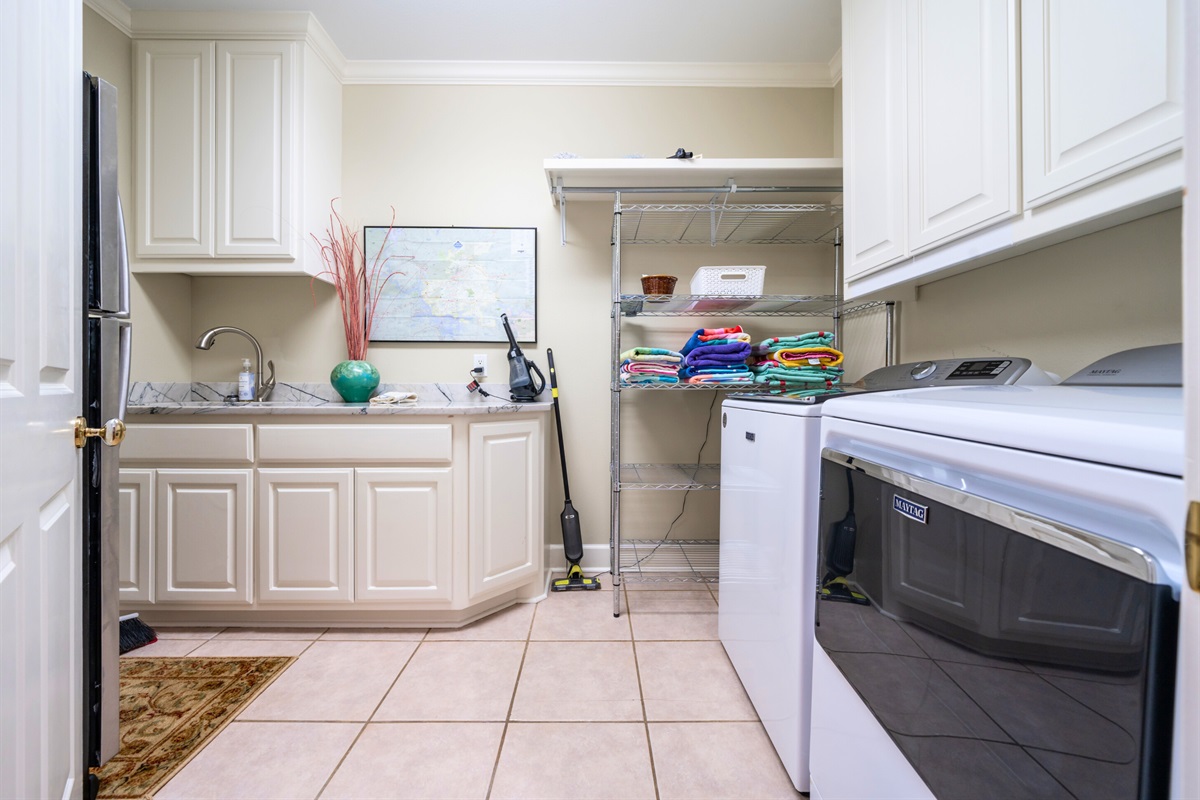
{"points": [[562, 453]]}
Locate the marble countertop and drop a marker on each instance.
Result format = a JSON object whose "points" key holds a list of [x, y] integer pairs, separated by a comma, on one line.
{"points": [[321, 399]]}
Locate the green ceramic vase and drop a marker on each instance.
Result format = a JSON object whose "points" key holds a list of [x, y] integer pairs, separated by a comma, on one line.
{"points": [[354, 380]]}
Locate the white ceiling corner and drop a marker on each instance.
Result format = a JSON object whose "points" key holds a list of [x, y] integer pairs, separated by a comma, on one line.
{"points": [[115, 12]]}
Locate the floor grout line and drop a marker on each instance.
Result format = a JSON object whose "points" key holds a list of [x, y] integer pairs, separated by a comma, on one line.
{"points": [[370, 716], [511, 702], [633, 641]]}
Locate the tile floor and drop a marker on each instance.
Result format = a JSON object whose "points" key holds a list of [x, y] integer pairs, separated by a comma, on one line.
{"points": [[556, 699]]}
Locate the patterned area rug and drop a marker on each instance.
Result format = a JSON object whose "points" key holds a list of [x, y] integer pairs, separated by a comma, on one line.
{"points": [[170, 707]]}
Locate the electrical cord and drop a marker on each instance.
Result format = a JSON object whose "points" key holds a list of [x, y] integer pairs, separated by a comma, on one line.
{"points": [[686, 494]]}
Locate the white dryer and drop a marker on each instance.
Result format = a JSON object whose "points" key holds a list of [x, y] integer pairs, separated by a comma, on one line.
{"points": [[770, 461], [1001, 569]]}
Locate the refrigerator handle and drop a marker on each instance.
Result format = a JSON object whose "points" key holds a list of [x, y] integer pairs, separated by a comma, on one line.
{"points": [[123, 361], [122, 269]]}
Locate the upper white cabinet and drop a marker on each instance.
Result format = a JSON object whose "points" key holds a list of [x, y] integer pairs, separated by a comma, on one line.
{"points": [[962, 123], [976, 130], [930, 133], [237, 154], [875, 131], [174, 149], [1102, 90]]}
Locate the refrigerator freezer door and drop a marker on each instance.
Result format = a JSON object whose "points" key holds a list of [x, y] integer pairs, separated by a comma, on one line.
{"points": [[104, 232]]}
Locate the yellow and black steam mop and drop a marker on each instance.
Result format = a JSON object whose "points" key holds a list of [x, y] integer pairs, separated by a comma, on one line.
{"points": [[572, 537]]}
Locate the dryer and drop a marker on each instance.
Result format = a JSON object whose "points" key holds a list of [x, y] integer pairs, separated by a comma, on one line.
{"points": [[770, 459], [1002, 568]]}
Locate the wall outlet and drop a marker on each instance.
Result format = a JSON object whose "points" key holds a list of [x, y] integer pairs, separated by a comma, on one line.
{"points": [[479, 362]]}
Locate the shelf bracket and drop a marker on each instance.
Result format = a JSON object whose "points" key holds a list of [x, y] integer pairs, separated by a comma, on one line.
{"points": [[562, 211]]}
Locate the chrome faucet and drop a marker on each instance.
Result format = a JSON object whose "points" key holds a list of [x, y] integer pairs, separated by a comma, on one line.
{"points": [[262, 387]]}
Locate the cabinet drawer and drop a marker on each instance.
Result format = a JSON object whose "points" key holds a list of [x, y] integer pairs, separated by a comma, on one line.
{"points": [[189, 444], [324, 443]]}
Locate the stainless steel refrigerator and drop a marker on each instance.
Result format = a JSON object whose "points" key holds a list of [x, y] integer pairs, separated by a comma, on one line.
{"points": [[106, 342]]}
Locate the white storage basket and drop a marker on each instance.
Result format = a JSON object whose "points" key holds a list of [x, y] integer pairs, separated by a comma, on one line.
{"points": [[728, 280]]}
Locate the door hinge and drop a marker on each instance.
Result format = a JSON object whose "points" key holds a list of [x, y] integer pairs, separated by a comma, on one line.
{"points": [[1191, 545]]}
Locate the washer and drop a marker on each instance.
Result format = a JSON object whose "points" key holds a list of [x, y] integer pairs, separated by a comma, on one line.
{"points": [[770, 459], [1002, 568]]}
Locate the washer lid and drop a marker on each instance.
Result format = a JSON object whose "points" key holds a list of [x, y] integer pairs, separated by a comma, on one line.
{"points": [[1139, 427]]}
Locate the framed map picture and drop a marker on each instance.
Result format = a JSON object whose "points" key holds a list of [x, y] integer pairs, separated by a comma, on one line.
{"points": [[452, 284]]}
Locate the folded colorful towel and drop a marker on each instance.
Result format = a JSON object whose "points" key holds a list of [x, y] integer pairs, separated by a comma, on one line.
{"points": [[726, 337], [712, 333], [645, 368], [740, 372], [730, 380], [641, 378], [806, 356], [813, 339], [651, 354]]}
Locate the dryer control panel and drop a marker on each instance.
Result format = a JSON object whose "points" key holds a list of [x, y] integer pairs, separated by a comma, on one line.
{"points": [[955, 372]]}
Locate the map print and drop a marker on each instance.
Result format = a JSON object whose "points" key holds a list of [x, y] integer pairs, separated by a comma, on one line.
{"points": [[452, 284]]}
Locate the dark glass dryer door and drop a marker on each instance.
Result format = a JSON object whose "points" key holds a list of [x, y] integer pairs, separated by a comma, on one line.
{"points": [[1006, 656]]}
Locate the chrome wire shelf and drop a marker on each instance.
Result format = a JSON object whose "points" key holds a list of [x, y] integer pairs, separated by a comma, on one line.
{"points": [[670, 476], [670, 560], [700, 305], [718, 223], [686, 387]]}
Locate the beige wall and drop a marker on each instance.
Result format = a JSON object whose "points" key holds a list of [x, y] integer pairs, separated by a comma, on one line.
{"points": [[1063, 306]]}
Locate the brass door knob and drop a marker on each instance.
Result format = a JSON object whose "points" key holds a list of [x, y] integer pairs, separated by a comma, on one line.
{"points": [[112, 434]]}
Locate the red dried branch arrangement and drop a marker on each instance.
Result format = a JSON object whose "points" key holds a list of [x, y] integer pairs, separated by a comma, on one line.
{"points": [[358, 286]]}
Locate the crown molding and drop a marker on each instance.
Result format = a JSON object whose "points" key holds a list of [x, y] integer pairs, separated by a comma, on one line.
{"points": [[590, 73], [269, 25], [115, 12], [835, 68]]}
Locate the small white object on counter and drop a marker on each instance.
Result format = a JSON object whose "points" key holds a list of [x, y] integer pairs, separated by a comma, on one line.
{"points": [[388, 398], [246, 381]]}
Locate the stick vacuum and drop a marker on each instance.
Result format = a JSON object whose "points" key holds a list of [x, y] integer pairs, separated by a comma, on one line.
{"points": [[572, 537]]}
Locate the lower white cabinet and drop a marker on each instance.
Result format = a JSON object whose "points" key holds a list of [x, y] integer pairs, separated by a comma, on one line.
{"points": [[505, 509], [447, 518], [202, 536], [403, 534], [304, 536]]}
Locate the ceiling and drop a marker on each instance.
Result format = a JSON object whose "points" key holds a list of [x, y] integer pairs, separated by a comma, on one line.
{"points": [[796, 32]]}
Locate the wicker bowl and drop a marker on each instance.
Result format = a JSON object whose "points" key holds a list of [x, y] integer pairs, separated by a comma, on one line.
{"points": [[658, 284]]}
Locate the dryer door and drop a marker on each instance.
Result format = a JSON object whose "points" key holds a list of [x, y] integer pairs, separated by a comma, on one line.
{"points": [[1006, 656]]}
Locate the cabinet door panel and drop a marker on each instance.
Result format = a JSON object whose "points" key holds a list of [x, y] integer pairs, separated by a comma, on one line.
{"points": [[173, 148], [962, 94], [255, 81], [1101, 90], [202, 528], [137, 535], [304, 535], [875, 133], [404, 534], [505, 515]]}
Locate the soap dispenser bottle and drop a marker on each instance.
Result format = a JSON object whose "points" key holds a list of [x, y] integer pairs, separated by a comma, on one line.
{"points": [[246, 381]]}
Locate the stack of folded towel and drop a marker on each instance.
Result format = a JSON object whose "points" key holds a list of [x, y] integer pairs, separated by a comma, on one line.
{"points": [[650, 365], [717, 355], [803, 361]]}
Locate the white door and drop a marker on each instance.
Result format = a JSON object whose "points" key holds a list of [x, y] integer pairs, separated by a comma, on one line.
{"points": [[1187, 691], [41, 707]]}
